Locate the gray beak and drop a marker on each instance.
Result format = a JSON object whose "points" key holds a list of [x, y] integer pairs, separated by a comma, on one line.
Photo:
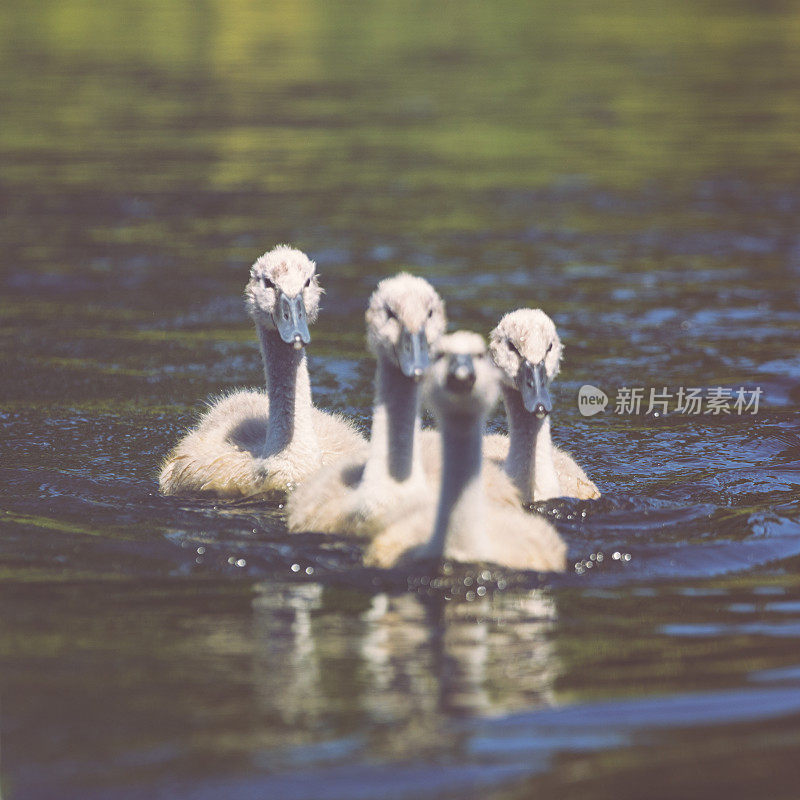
{"points": [[412, 354], [292, 323], [532, 383], [460, 374]]}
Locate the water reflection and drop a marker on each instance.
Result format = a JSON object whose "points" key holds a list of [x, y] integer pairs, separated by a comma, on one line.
{"points": [[409, 664]]}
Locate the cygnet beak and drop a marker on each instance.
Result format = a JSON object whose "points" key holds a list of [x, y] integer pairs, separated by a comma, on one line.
{"points": [[412, 354], [292, 323], [460, 374], [532, 384]]}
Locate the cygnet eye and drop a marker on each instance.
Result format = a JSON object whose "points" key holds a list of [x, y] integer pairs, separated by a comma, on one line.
{"points": [[307, 283], [549, 348], [513, 348], [390, 314], [430, 313], [268, 284]]}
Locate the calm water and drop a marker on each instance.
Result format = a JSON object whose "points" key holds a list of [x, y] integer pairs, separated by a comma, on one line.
{"points": [[633, 170]]}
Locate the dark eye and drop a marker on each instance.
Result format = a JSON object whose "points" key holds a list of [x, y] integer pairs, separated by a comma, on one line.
{"points": [[268, 284], [549, 348], [512, 348], [390, 314], [430, 313], [307, 283]]}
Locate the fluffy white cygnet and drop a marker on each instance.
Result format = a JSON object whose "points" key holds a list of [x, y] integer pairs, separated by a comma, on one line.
{"points": [[250, 443], [357, 495], [466, 524], [527, 349]]}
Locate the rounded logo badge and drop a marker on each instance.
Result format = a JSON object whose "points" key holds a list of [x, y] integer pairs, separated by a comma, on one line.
{"points": [[591, 400]]}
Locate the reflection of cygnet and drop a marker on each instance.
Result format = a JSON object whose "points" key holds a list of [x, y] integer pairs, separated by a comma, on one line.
{"points": [[461, 387], [357, 495], [405, 663], [527, 349], [250, 443], [288, 671], [424, 656]]}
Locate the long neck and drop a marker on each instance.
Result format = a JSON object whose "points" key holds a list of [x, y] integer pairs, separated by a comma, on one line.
{"points": [[461, 514], [289, 390], [394, 440], [530, 453]]}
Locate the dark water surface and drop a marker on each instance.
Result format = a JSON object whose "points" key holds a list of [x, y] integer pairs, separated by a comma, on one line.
{"points": [[631, 168]]}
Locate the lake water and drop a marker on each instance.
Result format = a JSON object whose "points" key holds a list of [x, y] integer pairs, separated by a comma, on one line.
{"points": [[634, 169]]}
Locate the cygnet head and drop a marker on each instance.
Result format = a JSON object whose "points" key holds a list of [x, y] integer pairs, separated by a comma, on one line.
{"points": [[283, 294], [526, 347], [405, 319], [462, 380]]}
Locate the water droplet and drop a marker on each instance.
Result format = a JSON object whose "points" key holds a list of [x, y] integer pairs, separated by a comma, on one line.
{"points": [[470, 596], [231, 560], [309, 570], [481, 591], [241, 562], [486, 575], [468, 581], [627, 556], [501, 584], [616, 555], [295, 568], [200, 550]]}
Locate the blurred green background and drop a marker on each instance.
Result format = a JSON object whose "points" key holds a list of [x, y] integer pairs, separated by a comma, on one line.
{"points": [[335, 108]]}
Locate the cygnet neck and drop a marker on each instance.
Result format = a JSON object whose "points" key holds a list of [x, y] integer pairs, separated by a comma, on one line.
{"points": [[529, 462], [289, 391], [460, 528], [394, 440]]}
